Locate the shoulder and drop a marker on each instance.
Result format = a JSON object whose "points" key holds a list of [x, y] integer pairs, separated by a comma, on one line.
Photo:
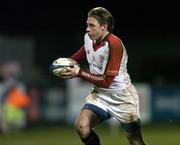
{"points": [[114, 41]]}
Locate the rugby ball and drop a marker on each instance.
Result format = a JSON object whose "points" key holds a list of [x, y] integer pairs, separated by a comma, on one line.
{"points": [[59, 65]]}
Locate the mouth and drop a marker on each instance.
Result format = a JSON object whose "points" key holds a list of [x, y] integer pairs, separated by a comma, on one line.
{"points": [[90, 36]]}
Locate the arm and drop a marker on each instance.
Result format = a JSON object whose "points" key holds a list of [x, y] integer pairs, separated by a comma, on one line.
{"points": [[79, 55], [112, 69], [100, 80]]}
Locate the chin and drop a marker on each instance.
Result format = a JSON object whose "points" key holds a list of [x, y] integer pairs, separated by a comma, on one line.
{"points": [[91, 37]]}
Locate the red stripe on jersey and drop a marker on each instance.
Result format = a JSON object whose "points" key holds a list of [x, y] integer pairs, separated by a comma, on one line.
{"points": [[115, 56]]}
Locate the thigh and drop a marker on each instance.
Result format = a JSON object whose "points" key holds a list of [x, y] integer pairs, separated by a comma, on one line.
{"points": [[87, 118], [127, 108]]}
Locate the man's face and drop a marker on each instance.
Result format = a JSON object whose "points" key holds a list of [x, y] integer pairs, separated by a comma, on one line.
{"points": [[94, 29]]}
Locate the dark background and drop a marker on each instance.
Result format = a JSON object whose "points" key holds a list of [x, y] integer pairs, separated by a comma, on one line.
{"points": [[150, 31]]}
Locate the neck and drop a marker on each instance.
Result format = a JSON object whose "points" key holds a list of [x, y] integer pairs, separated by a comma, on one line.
{"points": [[101, 39]]}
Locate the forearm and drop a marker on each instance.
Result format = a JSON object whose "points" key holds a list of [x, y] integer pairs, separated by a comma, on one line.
{"points": [[99, 80]]}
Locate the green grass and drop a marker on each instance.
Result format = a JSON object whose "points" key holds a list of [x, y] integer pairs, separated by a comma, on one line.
{"points": [[154, 134]]}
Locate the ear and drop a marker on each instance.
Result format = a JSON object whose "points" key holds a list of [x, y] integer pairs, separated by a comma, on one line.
{"points": [[104, 27]]}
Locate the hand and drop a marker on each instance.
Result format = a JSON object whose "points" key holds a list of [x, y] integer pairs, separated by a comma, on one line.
{"points": [[70, 72], [63, 73]]}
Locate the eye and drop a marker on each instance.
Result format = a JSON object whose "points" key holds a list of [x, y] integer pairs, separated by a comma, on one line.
{"points": [[91, 25]]}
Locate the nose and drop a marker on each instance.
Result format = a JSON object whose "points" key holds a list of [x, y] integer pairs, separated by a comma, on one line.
{"points": [[87, 29]]}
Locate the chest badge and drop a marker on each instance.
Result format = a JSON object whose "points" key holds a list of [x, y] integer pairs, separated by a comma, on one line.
{"points": [[101, 58]]}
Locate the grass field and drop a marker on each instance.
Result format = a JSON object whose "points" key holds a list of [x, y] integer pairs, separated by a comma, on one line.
{"points": [[154, 134]]}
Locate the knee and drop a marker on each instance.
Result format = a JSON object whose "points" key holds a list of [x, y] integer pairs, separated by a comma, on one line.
{"points": [[83, 129]]}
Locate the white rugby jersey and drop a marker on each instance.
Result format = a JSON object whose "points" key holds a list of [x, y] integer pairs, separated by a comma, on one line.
{"points": [[98, 60]]}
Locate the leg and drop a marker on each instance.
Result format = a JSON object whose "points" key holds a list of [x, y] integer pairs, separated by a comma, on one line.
{"points": [[133, 133], [84, 126]]}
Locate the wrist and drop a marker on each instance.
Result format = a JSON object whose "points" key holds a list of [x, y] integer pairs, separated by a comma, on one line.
{"points": [[79, 73]]}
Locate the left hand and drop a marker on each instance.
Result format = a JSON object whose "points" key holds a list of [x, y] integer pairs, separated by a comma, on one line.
{"points": [[70, 72]]}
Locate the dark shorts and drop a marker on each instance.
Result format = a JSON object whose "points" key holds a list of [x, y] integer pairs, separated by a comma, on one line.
{"points": [[103, 115]]}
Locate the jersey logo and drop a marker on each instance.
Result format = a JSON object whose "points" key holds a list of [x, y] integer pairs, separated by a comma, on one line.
{"points": [[88, 51], [101, 58]]}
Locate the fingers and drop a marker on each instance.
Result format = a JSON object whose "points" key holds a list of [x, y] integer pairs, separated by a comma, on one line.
{"points": [[74, 71], [66, 76], [67, 73]]}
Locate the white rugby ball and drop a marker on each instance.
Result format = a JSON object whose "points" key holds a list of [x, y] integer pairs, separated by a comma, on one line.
{"points": [[59, 65]]}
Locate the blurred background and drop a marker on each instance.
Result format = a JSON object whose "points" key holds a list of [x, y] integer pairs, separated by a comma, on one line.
{"points": [[35, 33]]}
